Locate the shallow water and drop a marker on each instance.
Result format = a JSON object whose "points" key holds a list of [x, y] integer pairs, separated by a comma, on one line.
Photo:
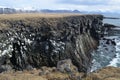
{"points": [[104, 55]]}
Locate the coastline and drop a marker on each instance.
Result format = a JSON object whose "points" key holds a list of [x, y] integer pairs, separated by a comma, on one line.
{"points": [[36, 40]]}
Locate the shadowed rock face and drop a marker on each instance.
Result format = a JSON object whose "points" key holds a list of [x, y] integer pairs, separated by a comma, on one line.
{"points": [[45, 41]]}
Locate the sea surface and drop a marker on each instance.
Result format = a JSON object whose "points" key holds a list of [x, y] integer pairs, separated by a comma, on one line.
{"points": [[112, 21], [107, 53]]}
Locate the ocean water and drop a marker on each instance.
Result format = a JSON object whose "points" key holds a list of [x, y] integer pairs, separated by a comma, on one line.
{"points": [[112, 21], [108, 54]]}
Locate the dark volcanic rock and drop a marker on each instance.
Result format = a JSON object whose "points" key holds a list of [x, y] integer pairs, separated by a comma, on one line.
{"points": [[45, 41]]}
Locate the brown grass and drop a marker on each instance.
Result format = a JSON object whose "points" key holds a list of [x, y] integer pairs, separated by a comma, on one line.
{"points": [[108, 73], [31, 19], [34, 19], [34, 75], [35, 15]]}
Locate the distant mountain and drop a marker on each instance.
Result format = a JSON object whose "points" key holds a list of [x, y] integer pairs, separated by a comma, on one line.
{"points": [[7, 10], [100, 12], [13, 11], [59, 11], [4, 10]]}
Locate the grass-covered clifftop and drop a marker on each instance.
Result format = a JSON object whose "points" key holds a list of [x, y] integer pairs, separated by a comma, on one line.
{"points": [[7, 20]]}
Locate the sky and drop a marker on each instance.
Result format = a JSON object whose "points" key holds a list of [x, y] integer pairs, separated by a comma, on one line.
{"points": [[82, 5]]}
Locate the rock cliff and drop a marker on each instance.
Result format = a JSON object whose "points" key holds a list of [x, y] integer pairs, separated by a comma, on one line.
{"points": [[33, 42]]}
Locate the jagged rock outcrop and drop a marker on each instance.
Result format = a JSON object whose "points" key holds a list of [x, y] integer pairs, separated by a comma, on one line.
{"points": [[40, 41]]}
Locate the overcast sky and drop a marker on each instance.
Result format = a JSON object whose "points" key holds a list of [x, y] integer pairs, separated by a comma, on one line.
{"points": [[82, 5]]}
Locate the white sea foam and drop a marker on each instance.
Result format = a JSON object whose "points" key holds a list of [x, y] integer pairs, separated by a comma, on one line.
{"points": [[118, 43], [116, 60]]}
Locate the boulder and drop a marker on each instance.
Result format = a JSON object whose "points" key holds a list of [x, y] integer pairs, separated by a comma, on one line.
{"points": [[66, 66]]}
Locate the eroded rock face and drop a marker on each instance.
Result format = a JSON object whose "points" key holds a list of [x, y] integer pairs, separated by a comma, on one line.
{"points": [[45, 41]]}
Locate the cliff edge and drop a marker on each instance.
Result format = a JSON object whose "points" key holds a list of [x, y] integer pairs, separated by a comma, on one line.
{"points": [[36, 40]]}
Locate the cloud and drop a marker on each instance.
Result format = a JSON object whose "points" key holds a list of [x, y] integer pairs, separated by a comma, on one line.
{"points": [[28, 3], [92, 5], [84, 2], [114, 2], [82, 5]]}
